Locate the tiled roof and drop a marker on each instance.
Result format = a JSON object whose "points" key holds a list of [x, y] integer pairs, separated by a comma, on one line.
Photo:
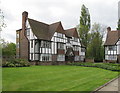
{"points": [[71, 32], [45, 31], [42, 30], [112, 37]]}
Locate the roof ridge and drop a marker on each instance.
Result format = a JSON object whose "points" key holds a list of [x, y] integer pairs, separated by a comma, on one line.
{"points": [[55, 23], [39, 21]]}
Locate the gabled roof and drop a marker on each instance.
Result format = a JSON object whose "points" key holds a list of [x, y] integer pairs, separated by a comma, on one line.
{"points": [[45, 31], [53, 28], [71, 32], [112, 37], [42, 30]]}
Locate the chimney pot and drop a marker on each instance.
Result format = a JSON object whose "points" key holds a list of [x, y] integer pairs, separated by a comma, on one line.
{"points": [[109, 29], [24, 18]]}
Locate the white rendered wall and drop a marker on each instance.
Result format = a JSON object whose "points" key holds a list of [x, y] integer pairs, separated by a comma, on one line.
{"points": [[110, 55], [118, 47]]}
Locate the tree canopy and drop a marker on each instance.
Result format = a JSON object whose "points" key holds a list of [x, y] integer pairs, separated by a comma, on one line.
{"points": [[84, 26], [118, 25], [8, 49], [95, 47]]}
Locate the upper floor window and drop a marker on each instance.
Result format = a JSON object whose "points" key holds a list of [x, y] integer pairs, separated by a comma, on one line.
{"points": [[112, 48], [75, 48], [60, 45], [28, 31], [60, 35], [68, 40], [31, 43], [45, 44], [75, 39], [82, 49], [17, 35], [17, 45]]}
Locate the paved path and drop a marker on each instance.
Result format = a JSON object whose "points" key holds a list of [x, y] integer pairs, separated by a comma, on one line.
{"points": [[111, 86]]}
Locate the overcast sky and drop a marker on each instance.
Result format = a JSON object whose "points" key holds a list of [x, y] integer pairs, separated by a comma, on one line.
{"points": [[50, 11]]}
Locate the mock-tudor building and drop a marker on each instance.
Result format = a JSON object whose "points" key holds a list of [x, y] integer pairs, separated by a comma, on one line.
{"points": [[49, 43], [112, 46]]}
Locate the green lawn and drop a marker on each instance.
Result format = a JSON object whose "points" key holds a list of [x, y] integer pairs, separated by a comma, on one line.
{"points": [[55, 78]]}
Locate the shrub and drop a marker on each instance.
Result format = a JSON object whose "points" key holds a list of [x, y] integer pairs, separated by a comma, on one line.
{"points": [[16, 63]]}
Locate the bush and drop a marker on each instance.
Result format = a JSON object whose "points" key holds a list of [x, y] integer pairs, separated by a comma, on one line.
{"points": [[16, 63], [107, 66]]}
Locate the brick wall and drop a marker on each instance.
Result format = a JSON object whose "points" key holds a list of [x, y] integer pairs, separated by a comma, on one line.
{"points": [[23, 38]]}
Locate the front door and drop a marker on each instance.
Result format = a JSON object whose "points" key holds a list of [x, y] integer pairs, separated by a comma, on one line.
{"points": [[69, 56]]}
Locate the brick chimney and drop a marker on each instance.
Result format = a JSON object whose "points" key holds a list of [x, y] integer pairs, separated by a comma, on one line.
{"points": [[24, 19], [108, 29], [24, 52]]}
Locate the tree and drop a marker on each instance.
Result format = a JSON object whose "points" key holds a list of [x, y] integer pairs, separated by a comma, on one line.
{"points": [[2, 23], [95, 47], [8, 49], [84, 26], [118, 25]]}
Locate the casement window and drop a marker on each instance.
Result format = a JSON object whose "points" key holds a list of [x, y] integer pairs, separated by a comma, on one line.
{"points": [[112, 48], [75, 48], [61, 58], [82, 49], [60, 46], [32, 56], [17, 45], [75, 39], [31, 43], [45, 44], [68, 40], [28, 31], [46, 57], [112, 57], [76, 58], [60, 35], [17, 35]]}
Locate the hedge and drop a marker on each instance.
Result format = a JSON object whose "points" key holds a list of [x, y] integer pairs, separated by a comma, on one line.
{"points": [[107, 66]]}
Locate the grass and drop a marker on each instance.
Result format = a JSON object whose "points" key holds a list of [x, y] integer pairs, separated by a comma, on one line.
{"points": [[55, 78]]}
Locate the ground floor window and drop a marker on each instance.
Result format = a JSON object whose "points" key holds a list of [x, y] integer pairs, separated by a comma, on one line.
{"points": [[61, 58], [76, 58], [111, 57], [82, 58], [46, 57]]}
